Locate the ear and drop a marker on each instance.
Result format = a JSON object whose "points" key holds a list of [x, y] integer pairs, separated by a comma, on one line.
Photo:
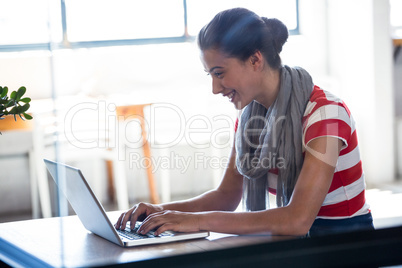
{"points": [[257, 60]]}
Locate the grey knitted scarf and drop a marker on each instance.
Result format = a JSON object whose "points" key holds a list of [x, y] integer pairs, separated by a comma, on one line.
{"points": [[272, 138]]}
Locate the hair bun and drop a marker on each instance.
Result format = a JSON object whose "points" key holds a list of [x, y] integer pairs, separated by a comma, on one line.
{"points": [[279, 32]]}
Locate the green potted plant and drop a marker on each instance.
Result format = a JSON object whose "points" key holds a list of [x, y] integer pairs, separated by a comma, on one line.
{"points": [[14, 104]]}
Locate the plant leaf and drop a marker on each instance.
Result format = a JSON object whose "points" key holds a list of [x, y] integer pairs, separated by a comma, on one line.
{"points": [[10, 103], [14, 110], [24, 108], [13, 95], [21, 91], [4, 92], [26, 100], [27, 116]]}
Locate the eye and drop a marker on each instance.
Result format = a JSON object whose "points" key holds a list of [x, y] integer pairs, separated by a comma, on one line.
{"points": [[217, 74]]}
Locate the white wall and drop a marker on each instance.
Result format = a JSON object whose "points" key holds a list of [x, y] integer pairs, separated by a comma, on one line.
{"points": [[398, 110], [346, 46], [360, 52]]}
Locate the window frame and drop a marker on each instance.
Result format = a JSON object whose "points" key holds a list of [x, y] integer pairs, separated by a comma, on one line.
{"points": [[66, 44]]}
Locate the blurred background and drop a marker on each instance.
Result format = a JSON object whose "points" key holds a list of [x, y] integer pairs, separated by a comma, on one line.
{"points": [[102, 73]]}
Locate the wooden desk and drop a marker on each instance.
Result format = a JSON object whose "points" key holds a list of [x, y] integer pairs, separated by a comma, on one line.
{"points": [[24, 244]]}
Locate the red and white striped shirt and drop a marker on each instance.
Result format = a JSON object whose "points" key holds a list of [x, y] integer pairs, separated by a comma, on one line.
{"points": [[327, 115]]}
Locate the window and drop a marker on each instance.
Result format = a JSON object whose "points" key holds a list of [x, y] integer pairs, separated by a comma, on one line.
{"points": [[27, 25], [201, 12], [123, 19], [30, 24]]}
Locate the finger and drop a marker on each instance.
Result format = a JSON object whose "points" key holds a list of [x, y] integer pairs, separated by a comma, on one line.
{"points": [[126, 218], [134, 216], [120, 220], [139, 211], [117, 224], [165, 227], [152, 222], [123, 222], [149, 227]]}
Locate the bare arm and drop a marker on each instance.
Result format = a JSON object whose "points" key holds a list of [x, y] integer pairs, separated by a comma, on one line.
{"points": [[295, 219], [224, 198]]}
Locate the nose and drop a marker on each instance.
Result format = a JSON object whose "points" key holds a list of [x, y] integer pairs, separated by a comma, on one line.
{"points": [[216, 86]]}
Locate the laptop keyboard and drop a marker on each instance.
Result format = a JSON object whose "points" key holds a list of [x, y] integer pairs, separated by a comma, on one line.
{"points": [[133, 235]]}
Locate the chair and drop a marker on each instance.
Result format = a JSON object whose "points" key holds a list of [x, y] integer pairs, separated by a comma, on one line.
{"points": [[39, 185], [67, 134], [136, 112], [50, 127]]}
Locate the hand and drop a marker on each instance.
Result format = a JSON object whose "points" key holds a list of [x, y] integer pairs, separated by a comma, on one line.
{"points": [[171, 220], [137, 212]]}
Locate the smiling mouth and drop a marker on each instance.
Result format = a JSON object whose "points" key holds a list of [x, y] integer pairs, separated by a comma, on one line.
{"points": [[231, 95]]}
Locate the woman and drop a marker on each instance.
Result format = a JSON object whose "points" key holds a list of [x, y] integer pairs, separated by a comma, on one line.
{"points": [[293, 140]]}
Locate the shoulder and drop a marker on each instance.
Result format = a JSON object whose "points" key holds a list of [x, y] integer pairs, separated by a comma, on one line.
{"points": [[323, 105], [326, 115], [320, 98]]}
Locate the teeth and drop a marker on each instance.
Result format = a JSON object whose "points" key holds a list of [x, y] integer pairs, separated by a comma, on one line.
{"points": [[230, 96]]}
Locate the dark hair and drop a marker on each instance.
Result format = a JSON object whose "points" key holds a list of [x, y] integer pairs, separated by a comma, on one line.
{"points": [[239, 33]]}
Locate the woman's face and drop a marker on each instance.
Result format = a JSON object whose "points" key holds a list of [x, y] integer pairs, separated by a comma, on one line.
{"points": [[231, 77]]}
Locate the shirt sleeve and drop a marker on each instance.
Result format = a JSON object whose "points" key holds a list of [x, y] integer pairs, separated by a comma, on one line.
{"points": [[329, 120]]}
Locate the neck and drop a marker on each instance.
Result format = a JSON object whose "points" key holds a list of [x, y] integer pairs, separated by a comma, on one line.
{"points": [[270, 84]]}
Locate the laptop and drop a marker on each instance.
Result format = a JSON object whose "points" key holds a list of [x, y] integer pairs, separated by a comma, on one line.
{"points": [[93, 215]]}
